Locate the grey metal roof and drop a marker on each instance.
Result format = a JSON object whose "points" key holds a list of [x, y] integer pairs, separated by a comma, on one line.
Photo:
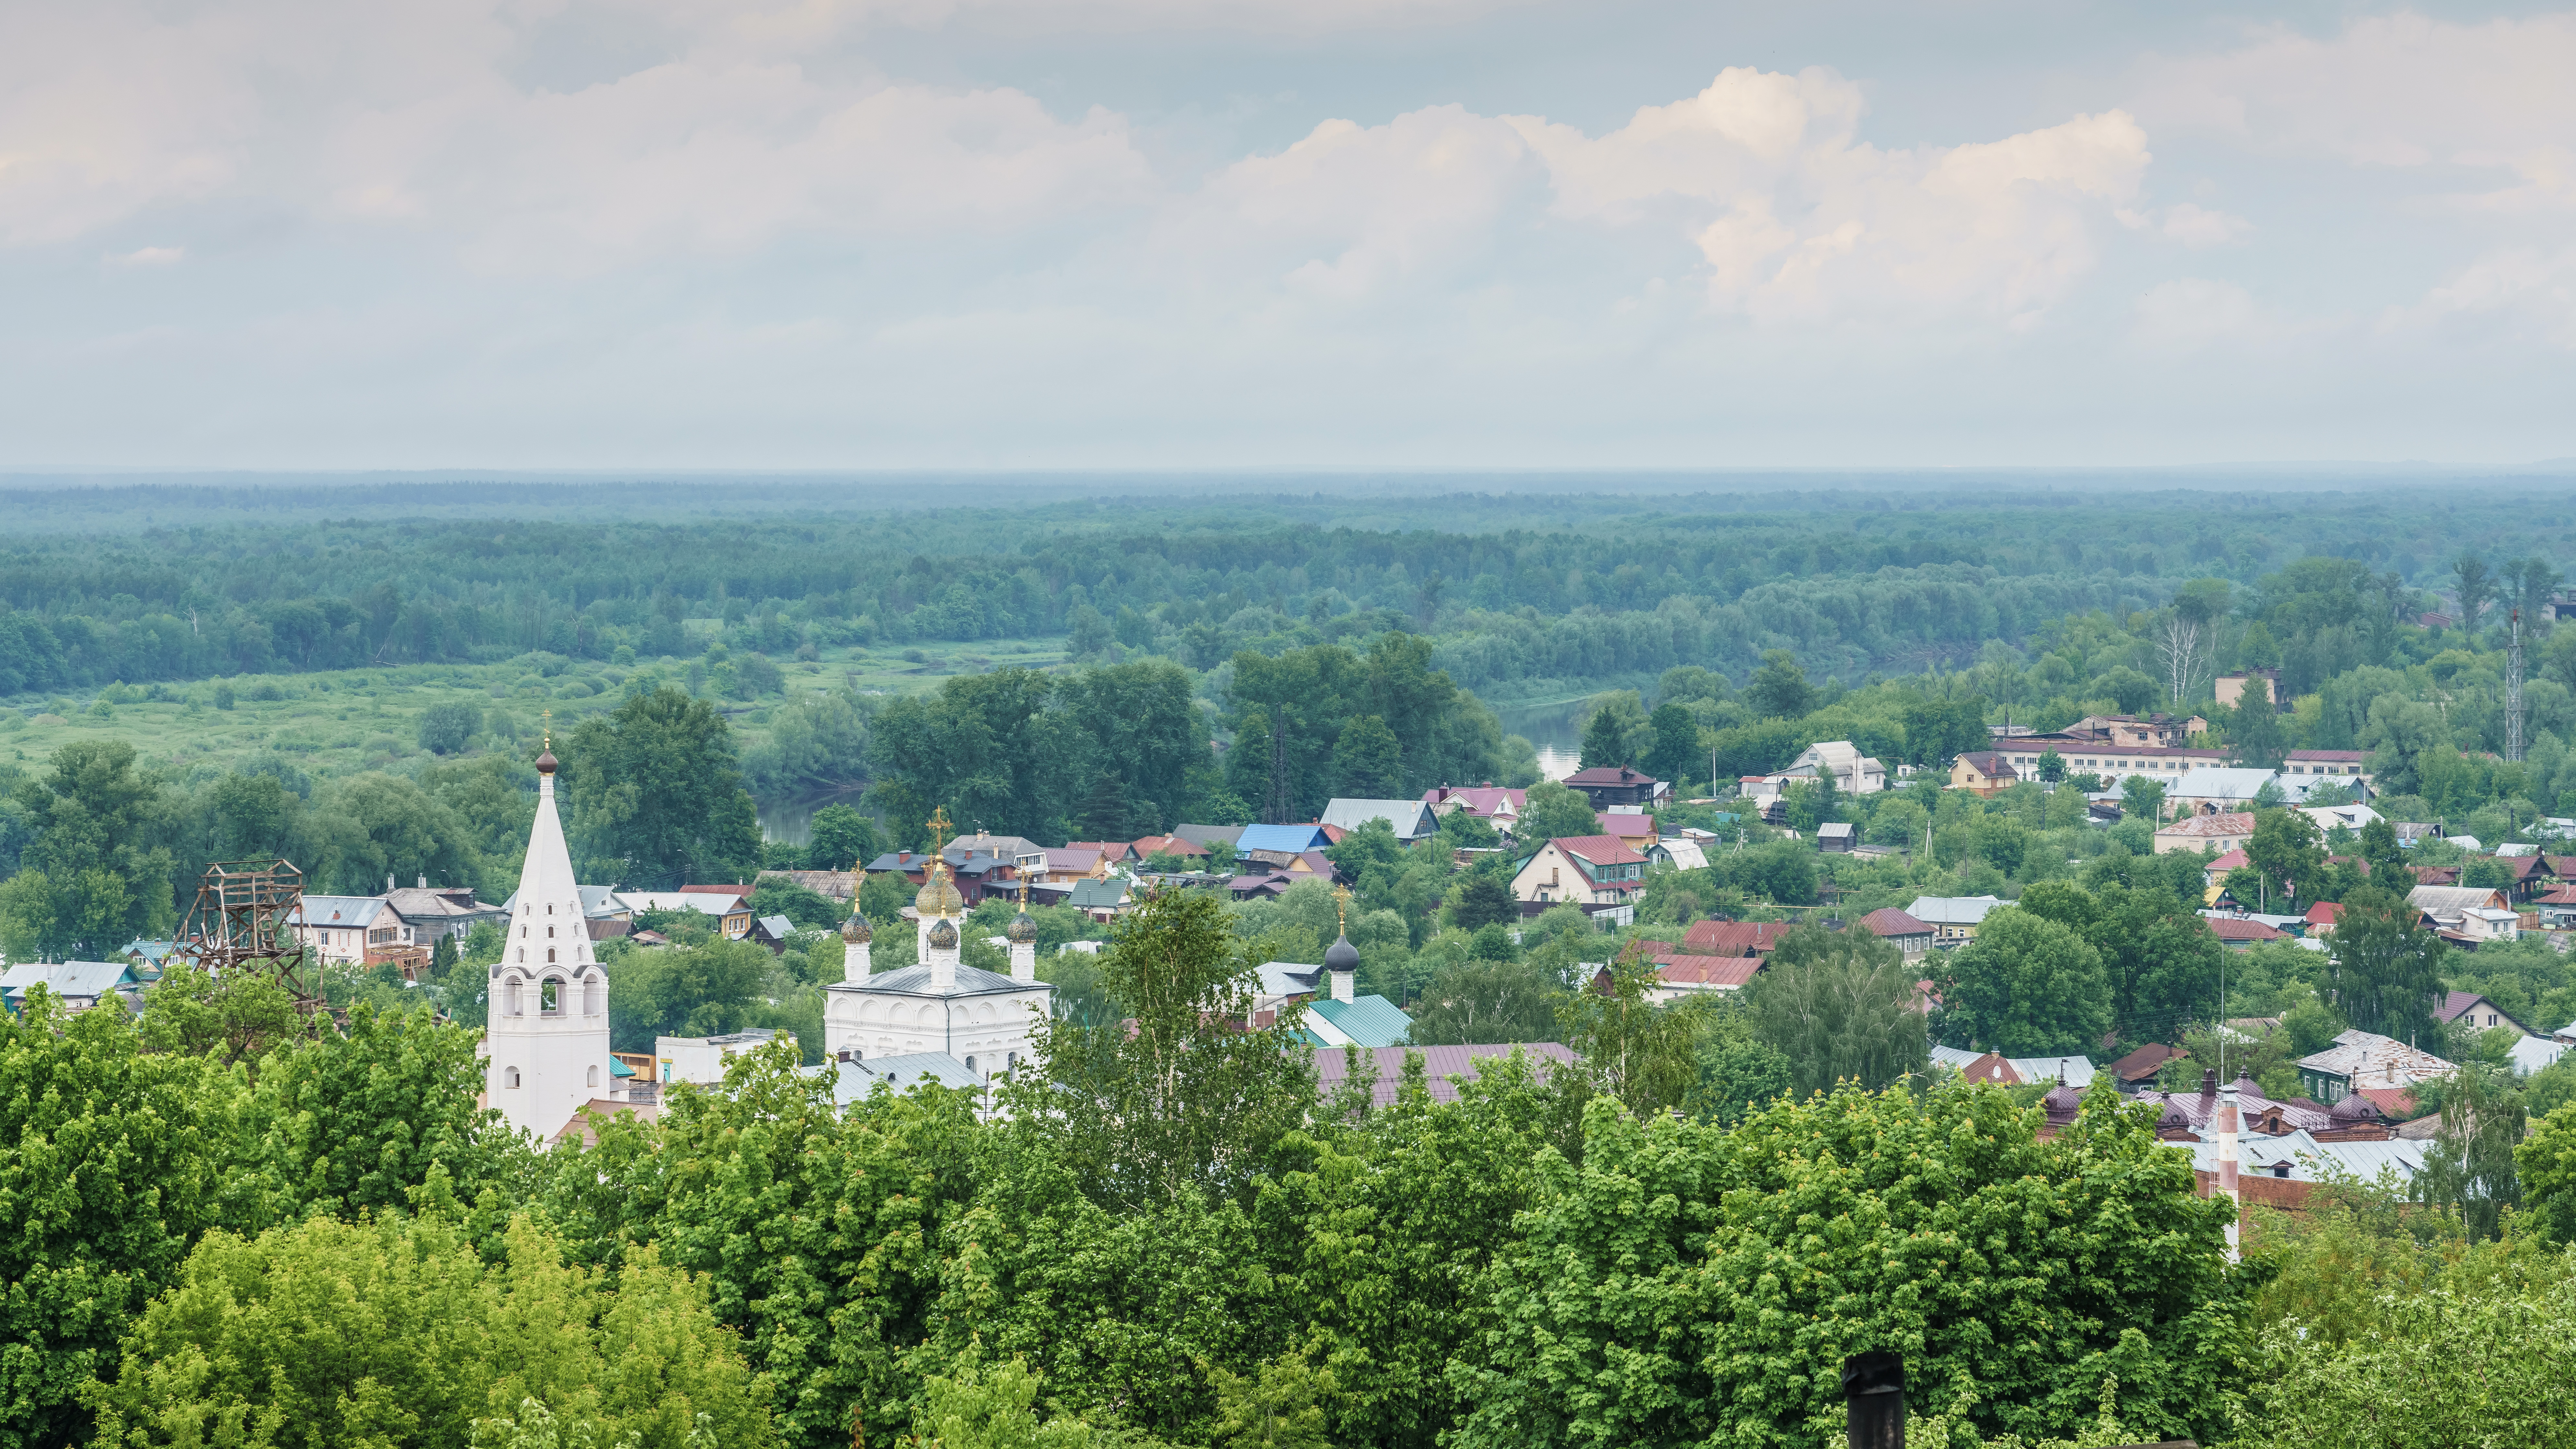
{"points": [[915, 981], [778, 926], [1410, 818], [342, 911], [854, 1081], [1439, 1063], [1288, 978], [87, 980], [2079, 1070], [1952, 910], [2311, 1160]]}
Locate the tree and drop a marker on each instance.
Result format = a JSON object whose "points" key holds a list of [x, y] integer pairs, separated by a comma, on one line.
{"points": [[657, 799], [2546, 1164], [2254, 729], [2384, 970], [1483, 900], [2470, 1169], [2476, 587], [2142, 798], [2385, 857], [2286, 849], [375, 826], [449, 727], [1779, 689], [1641, 1054], [96, 874], [2052, 767], [1841, 1006], [1605, 742], [1086, 631], [397, 1333], [840, 838], [1721, 1267], [1186, 1099], [2161, 957], [111, 1164], [1473, 1001], [1103, 814], [1553, 811], [1368, 763], [2026, 986], [1676, 754]]}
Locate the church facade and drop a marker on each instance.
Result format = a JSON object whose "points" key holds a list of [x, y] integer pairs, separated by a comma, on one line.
{"points": [[982, 1019]]}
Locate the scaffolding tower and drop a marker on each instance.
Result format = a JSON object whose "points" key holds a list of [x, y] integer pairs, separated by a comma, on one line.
{"points": [[244, 923]]}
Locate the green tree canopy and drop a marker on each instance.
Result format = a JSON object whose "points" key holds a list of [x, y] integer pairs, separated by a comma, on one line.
{"points": [[1841, 1006], [2027, 986], [1552, 811], [656, 797], [2383, 969]]}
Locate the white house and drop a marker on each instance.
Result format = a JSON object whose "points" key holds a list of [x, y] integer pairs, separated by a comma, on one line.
{"points": [[941, 1005], [1854, 773], [546, 1048], [702, 1059], [1584, 869], [2217, 790], [1952, 918], [339, 929]]}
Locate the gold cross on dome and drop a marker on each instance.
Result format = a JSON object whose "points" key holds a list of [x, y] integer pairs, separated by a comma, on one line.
{"points": [[546, 739], [1342, 907], [938, 823]]}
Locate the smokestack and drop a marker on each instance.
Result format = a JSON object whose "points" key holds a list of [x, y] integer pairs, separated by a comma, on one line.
{"points": [[2227, 1165], [1874, 1400]]}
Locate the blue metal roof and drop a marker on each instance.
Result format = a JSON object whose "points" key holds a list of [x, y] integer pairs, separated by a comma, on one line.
{"points": [[1291, 838]]}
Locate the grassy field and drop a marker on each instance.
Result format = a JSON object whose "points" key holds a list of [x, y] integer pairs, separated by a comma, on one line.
{"points": [[341, 722]]}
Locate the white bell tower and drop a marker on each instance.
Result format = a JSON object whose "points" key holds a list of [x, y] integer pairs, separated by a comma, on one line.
{"points": [[546, 1048]]}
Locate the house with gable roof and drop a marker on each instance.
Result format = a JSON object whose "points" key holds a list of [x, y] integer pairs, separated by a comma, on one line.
{"points": [[1583, 869]]}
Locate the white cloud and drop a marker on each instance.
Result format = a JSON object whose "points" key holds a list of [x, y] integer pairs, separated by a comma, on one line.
{"points": [[149, 257], [2192, 226], [2191, 313], [2527, 290], [2402, 91]]}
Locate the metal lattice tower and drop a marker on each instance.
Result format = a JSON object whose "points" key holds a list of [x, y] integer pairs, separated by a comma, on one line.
{"points": [[244, 921], [2513, 692]]}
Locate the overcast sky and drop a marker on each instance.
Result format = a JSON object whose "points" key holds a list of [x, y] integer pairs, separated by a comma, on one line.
{"points": [[864, 233]]}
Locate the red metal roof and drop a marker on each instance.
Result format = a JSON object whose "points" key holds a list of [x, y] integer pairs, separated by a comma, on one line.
{"points": [[2325, 913], [2229, 861]]}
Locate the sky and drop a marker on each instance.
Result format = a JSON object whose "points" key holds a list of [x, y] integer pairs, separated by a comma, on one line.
{"points": [[1496, 234]]}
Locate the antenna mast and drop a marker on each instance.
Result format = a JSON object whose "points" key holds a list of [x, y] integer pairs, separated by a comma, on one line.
{"points": [[2513, 692]]}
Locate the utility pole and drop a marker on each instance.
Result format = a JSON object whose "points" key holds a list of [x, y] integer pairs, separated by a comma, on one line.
{"points": [[2513, 692]]}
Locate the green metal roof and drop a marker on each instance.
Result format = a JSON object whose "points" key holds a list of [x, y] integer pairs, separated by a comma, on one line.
{"points": [[1370, 1021]]}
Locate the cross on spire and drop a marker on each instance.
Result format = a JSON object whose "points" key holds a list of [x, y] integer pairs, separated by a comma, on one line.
{"points": [[938, 823], [546, 738], [1342, 907]]}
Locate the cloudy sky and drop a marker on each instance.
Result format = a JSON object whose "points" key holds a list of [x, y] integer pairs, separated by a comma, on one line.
{"points": [[785, 234]]}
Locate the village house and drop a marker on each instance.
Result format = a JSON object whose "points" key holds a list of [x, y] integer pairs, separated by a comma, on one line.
{"points": [[1906, 931], [2230, 689], [1734, 938], [1635, 827], [1854, 773], [2216, 790], [2477, 1011], [2074, 1071], [1953, 919], [1985, 772], [2361, 1060], [2111, 760], [2466, 916], [1410, 819], [1583, 869], [1681, 973], [1606, 785], [1494, 804], [78, 985], [2347, 765]]}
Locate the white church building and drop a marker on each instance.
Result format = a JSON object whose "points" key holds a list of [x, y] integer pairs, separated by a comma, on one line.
{"points": [[941, 1006], [546, 1045]]}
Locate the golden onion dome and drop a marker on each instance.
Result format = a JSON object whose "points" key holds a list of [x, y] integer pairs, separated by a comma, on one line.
{"points": [[943, 935], [856, 930], [1022, 930], [938, 895]]}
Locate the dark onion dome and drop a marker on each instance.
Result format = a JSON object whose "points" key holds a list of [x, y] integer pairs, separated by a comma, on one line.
{"points": [[2355, 1108], [856, 930], [2063, 1102], [1022, 930], [1341, 955], [546, 763], [943, 935]]}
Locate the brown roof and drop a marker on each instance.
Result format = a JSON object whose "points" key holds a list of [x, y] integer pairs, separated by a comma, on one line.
{"points": [[1735, 938], [840, 885], [1889, 921], [2145, 1062], [2347, 756], [2228, 928], [585, 1120], [1153, 845], [2325, 913], [1990, 764], [2211, 827], [1610, 775], [2440, 875]]}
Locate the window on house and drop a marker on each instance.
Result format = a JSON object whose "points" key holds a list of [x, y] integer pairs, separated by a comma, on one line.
{"points": [[509, 1076], [594, 1076], [550, 955], [549, 999]]}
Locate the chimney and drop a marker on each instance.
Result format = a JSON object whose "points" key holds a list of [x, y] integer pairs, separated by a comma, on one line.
{"points": [[424, 881], [389, 882]]}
